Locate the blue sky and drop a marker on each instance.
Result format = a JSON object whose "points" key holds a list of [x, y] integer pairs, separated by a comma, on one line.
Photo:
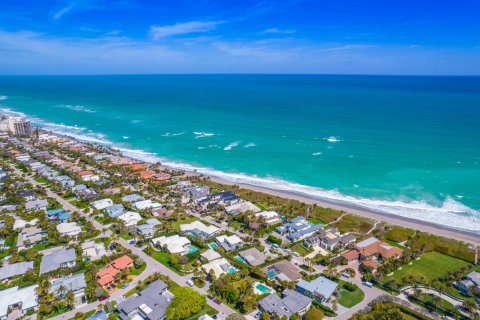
{"points": [[206, 36]]}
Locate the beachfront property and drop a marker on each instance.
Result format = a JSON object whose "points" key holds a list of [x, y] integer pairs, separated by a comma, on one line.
{"points": [[299, 228], [289, 304], [75, 283], [470, 283], [198, 228], [93, 250], [30, 236], [219, 266], [330, 239], [58, 259], [372, 246], [70, 229], [16, 302], [320, 289], [253, 256], [115, 210], [101, 204], [241, 207], [130, 218], [149, 304], [148, 229], [146, 204], [270, 217], [40, 204], [225, 198], [107, 276], [283, 271], [229, 243], [197, 193], [13, 270], [173, 244]]}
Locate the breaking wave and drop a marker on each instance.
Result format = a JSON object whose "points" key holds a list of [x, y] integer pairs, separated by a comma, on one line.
{"points": [[231, 145]]}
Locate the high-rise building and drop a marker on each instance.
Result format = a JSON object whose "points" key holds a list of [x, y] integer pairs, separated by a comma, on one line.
{"points": [[15, 125]]}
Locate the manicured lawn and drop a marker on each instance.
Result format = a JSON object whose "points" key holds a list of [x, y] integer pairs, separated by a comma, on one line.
{"points": [[41, 180], [301, 249], [164, 258], [138, 271], [349, 299], [432, 265], [184, 219], [315, 221]]}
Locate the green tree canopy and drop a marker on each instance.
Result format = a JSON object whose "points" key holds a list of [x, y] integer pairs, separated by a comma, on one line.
{"points": [[186, 303]]}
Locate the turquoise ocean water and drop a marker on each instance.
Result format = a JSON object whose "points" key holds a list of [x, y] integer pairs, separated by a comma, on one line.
{"points": [[404, 145]]}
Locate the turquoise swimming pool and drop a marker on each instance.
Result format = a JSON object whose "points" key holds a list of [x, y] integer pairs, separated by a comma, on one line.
{"points": [[260, 287], [212, 246], [192, 249], [271, 274], [240, 259], [231, 270]]}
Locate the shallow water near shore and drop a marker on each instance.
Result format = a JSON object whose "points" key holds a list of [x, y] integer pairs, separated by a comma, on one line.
{"points": [[408, 146]]}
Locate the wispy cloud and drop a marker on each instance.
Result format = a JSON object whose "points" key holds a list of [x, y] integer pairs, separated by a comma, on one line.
{"points": [[279, 31], [159, 32], [254, 50], [70, 6]]}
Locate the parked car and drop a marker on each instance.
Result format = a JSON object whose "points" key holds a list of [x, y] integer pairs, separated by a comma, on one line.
{"points": [[217, 301], [105, 297], [368, 284], [345, 274], [190, 283], [125, 285], [132, 242]]}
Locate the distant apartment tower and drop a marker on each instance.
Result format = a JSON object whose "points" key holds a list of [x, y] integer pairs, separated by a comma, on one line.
{"points": [[15, 125]]}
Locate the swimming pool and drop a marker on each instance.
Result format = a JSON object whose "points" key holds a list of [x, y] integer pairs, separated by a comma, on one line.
{"points": [[212, 246], [271, 274], [231, 270], [260, 287], [240, 259], [192, 249]]}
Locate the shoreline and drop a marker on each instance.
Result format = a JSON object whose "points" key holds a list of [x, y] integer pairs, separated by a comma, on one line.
{"points": [[468, 237]]}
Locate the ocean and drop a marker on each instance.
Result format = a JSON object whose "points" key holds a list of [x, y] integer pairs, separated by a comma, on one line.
{"points": [[408, 146]]}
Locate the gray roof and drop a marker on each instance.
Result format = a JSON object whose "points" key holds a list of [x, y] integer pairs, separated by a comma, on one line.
{"points": [[115, 210], [291, 303], [72, 283], [474, 277], [367, 242], [151, 302], [36, 204], [101, 315], [253, 256], [54, 260], [133, 198], [321, 286], [15, 269]]}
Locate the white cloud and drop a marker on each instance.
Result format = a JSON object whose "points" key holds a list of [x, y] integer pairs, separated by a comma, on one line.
{"points": [[60, 13], [159, 32], [254, 50], [279, 31]]}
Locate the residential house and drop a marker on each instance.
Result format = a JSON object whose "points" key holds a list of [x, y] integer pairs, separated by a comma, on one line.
{"points": [[30, 236], [330, 239], [197, 193], [148, 229], [65, 181], [27, 195], [320, 289], [14, 298], [115, 210], [132, 198], [286, 306], [87, 175], [75, 283], [241, 207], [373, 246], [56, 259], [218, 266], [94, 250], [283, 270], [40, 204], [15, 269], [225, 198], [107, 275], [146, 204], [102, 204], [210, 255], [130, 218], [149, 304], [471, 281], [269, 217], [299, 228], [197, 228], [173, 244], [232, 242], [253, 256], [70, 229]]}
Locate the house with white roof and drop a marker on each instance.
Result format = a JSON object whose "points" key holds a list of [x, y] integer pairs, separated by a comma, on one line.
{"points": [[232, 242], [173, 244], [219, 267], [197, 228], [70, 229], [241, 207], [94, 250], [130, 218], [102, 204], [14, 298], [271, 217], [146, 204], [210, 255]]}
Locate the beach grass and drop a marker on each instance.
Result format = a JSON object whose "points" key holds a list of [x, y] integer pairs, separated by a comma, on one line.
{"points": [[398, 234], [432, 265], [352, 223]]}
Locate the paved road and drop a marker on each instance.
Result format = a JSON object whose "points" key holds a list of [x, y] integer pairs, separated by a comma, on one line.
{"points": [[152, 264]]}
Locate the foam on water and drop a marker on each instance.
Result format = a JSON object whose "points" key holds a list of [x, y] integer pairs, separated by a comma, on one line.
{"points": [[450, 212], [3, 97], [203, 134], [332, 139], [76, 108], [250, 145]]}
